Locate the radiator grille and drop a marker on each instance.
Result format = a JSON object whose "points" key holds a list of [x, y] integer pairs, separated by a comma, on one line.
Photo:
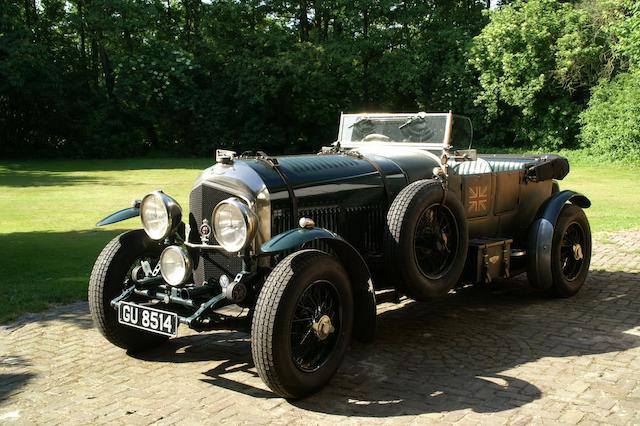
{"points": [[212, 264], [365, 228], [361, 226]]}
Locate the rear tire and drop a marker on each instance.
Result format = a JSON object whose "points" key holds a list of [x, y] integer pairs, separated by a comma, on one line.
{"points": [[290, 364], [570, 252], [425, 241], [108, 281]]}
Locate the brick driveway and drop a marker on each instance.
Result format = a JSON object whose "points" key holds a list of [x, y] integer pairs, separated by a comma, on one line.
{"points": [[499, 355]]}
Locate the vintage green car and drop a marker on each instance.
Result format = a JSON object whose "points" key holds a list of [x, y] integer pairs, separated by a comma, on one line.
{"points": [[398, 204]]}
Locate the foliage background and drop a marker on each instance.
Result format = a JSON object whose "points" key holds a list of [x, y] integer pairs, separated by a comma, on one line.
{"points": [[116, 78]]}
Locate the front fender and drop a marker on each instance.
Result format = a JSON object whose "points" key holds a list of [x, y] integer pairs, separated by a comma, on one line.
{"points": [[295, 238], [541, 236], [119, 216], [364, 326]]}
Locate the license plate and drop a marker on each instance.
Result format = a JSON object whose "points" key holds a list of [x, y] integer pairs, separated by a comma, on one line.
{"points": [[149, 319]]}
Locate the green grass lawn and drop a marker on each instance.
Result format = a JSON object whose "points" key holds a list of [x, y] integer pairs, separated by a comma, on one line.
{"points": [[48, 209], [613, 191]]}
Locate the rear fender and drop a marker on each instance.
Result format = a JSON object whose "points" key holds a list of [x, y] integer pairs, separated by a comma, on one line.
{"points": [[364, 326], [541, 236]]}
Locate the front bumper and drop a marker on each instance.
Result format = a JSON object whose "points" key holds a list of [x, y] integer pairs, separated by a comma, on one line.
{"points": [[196, 306]]}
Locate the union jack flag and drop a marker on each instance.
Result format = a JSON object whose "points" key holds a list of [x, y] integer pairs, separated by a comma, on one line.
{"points": [[477, 199]]}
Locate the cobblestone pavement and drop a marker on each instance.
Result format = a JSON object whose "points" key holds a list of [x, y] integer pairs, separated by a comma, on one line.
{"points": [[493, 355]]}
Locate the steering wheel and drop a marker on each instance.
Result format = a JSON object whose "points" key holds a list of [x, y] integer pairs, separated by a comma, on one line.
{"points": [[417, 131], [376, 137]]}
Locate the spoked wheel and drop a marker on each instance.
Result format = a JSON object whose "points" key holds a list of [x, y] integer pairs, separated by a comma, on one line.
{"points": [[111, 275], [570, 252], [425, 243], [302, 323], [436, 241], [316, 325]]}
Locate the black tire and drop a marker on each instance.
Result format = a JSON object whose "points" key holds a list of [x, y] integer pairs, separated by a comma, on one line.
{"points": [[108, 281], [408, 251], [571, 231], [275, 336]]}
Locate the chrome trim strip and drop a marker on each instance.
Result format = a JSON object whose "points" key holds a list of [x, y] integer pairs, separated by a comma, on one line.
{"points": [[204, 246]]}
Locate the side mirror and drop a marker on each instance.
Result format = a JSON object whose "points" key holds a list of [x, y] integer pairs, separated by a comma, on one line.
{"points": [[466, 155]]}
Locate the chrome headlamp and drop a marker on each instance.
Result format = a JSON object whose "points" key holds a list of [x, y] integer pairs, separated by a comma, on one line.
{"points": [[175, 265], [234, 224], [160, 214]]}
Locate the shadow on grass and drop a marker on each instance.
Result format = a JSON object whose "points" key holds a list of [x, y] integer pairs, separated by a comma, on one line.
{"points": [[26, 179], [448, 354], [25, 174], [60, 166], [43, 268]]}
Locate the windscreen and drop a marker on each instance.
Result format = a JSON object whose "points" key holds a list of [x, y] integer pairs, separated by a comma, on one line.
{"points": [[418, 128]]}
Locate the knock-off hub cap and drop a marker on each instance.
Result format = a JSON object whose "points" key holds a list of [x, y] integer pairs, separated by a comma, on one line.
{"points": [[577, 252], [323, 327]]}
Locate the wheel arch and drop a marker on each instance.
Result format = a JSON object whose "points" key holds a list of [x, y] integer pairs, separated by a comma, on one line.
{"points": [[540, 237], [106, 283], [364, 326]]}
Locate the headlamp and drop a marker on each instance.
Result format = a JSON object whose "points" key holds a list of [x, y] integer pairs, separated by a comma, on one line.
{"points": [[160, 214], [234, 224], [175, 265]]}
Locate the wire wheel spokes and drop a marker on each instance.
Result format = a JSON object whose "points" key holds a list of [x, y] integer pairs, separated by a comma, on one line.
{"points": [[315, 326], [571, 251], [436, 241]]}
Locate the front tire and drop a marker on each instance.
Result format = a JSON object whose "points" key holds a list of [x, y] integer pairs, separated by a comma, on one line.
{"points": [[302, 323], [108, 280]]}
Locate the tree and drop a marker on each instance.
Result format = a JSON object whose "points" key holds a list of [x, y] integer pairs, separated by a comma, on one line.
{"points": [[537, 62], [611, 124], [105, 78]]}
